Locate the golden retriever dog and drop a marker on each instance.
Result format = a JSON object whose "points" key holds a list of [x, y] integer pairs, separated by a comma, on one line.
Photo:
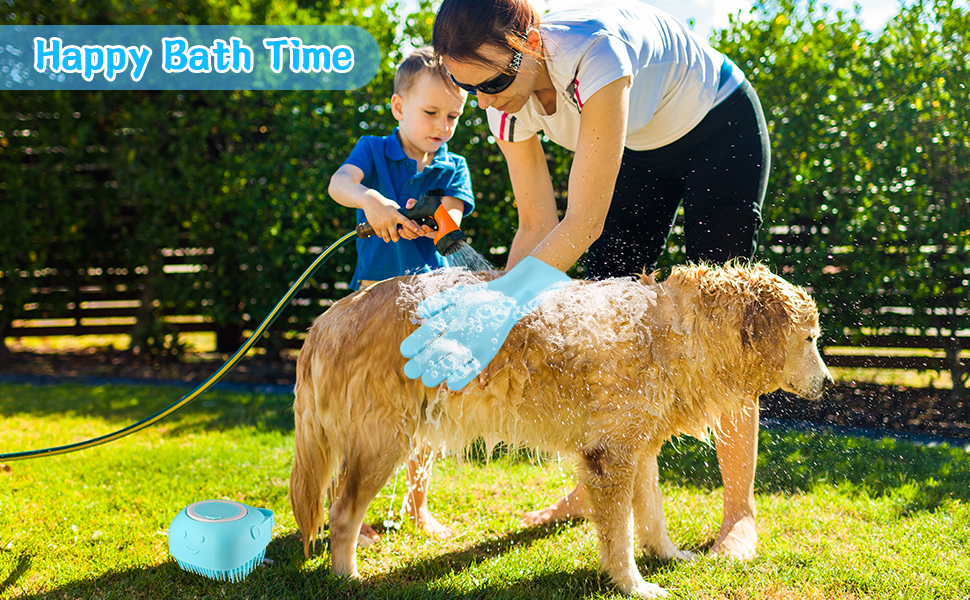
{"points": [[604, 372]]}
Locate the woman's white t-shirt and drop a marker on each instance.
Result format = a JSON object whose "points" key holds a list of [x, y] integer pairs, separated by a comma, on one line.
{"points": [[676, 76]]}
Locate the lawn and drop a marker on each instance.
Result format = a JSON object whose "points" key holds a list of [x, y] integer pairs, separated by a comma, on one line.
{"points": [[839, 517]]}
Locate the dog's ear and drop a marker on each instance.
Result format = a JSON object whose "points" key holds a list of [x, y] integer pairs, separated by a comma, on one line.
{"points": [[765, 328]]}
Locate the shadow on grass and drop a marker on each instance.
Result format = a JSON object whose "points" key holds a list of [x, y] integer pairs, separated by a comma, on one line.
{"points": [[288, 579], [125, 404], [20, 569], [789, 461], [466, 558]]}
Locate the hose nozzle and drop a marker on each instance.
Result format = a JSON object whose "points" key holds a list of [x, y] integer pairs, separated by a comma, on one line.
{"points": [[449, 235], [429, 211]]}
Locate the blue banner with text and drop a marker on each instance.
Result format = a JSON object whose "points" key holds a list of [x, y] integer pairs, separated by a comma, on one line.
{"points": [[186, 57]]}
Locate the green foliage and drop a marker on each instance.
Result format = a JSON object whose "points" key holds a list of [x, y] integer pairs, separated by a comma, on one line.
{"points": [[868, 200], [811, 74], [923, 164]]}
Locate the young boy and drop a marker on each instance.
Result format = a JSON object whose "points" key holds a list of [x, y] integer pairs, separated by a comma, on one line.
{"points": [[381, 175]]}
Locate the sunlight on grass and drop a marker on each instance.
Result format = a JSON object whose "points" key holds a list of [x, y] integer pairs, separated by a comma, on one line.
{"points": [[67, 343], [838, 517], [198, 342]]}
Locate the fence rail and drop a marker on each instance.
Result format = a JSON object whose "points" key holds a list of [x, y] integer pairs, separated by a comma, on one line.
{"points": [[116, 314], [109, 301]]}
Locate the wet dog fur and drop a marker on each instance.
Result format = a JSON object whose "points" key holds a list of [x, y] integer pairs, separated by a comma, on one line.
{"points": [[604, 372]]}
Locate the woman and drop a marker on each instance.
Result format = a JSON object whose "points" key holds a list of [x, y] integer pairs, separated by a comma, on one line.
{"points": [[657, 119]]}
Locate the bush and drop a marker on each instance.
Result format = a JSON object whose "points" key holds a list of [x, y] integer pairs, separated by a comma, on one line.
{"points": [[868, 199]]}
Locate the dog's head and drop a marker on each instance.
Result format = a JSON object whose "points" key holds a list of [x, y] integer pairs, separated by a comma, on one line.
{"points": [[758, 314], [781, 324]]}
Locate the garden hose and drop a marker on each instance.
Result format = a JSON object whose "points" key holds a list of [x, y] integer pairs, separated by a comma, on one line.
{"points": [[428, 210], [208, 383]]}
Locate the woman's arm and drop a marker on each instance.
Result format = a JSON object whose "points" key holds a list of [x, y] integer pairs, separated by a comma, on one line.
{"points": [[534, 197], [602, 133], [455, 208]]}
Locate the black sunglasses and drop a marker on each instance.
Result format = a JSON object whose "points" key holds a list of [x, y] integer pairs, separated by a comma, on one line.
{"points": [[497, 84]]}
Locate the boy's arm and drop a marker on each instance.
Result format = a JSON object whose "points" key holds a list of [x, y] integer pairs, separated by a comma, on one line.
{"points": [[382, 213]]}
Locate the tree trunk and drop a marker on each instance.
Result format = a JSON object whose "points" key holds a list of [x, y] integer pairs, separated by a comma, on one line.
{"points": [[958, 372], [145, 327]]}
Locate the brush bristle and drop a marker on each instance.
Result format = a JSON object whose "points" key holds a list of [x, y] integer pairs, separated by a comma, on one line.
{"points": [[237, 574]]}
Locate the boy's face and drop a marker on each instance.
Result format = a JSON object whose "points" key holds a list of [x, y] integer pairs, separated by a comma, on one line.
{"points": [[427, 115]]}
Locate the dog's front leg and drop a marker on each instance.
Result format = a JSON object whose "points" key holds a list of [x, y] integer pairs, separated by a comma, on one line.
{"points": [[608, 474], [648, 512]]}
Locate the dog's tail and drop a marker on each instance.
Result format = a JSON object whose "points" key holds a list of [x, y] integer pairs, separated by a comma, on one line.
{"points": [[314, 460]]}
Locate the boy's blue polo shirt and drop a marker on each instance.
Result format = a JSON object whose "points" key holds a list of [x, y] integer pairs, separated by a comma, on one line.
{"points": [[388, 170]]}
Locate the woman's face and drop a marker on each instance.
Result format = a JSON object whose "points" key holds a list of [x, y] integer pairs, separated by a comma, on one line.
{"points": [[509, 100]]}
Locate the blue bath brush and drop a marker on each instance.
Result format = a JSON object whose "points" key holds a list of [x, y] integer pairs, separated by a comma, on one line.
{"points": [[220, 539]]}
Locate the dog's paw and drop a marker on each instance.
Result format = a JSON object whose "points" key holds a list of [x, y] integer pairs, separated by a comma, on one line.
{"points": [[645, 589], [683, 556], [635, 585], [670, 553]]}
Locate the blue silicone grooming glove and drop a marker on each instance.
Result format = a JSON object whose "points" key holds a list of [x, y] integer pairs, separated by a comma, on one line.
{"points": [[465, 326]]}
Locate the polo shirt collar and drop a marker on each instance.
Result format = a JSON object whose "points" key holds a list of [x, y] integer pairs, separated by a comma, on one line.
{"points": [[395, 151]]}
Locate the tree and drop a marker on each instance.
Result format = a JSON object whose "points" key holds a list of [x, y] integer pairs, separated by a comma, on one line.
{"points": [[922, 166], [868, 201]]}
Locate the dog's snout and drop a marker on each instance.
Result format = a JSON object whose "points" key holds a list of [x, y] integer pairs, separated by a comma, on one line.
{"points": [[829, 383], [823, 385]]}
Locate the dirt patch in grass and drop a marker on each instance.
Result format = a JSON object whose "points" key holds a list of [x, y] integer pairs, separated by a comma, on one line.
{"points": [[929, 411], [865, 405]]}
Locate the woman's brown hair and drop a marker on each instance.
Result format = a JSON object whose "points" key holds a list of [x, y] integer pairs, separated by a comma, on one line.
{"points": [[462, 27]]}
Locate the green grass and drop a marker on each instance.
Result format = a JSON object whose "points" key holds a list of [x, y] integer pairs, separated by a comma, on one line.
{"points": [[839, 517]]}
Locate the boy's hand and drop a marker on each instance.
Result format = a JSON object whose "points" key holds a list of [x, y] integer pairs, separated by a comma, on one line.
{"points": [[382, 214], [425, 230]]}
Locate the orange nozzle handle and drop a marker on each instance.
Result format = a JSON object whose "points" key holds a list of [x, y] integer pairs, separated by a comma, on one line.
{"points": [[445, 223]]}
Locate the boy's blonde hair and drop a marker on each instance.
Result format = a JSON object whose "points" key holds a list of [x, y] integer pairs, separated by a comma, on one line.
{"points": [[422, 60]]}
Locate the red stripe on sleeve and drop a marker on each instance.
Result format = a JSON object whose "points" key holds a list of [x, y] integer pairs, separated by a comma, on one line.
{"points": [[576, 92]]}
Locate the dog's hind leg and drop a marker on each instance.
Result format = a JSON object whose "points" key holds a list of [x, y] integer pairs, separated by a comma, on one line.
{"points": [[608, 474], [370, 463], [648, 512]]}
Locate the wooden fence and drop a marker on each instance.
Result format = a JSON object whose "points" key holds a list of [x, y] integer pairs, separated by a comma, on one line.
{"points": [[109, 302]]}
